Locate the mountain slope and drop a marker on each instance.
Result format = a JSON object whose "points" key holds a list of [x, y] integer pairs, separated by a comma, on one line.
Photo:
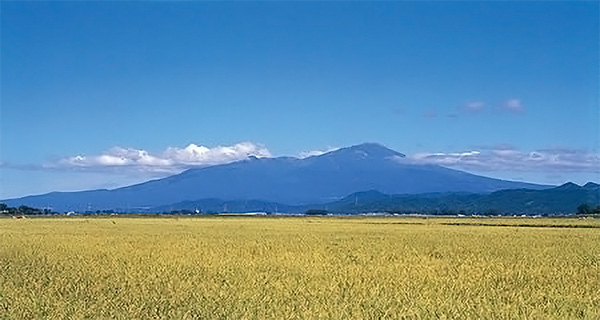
{"points": [[317, 179]]}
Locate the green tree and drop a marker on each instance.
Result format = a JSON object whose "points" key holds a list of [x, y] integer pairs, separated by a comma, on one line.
{"points": [[28, 210], [584, 209]]}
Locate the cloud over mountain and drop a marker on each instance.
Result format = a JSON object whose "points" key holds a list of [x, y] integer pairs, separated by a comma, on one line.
{"points": [[175, 159], [172, 159], [509, 159], [312, 153]]}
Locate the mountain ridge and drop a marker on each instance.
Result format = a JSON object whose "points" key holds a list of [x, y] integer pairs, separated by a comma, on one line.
{"points": [[317, 179], [561, 200]]}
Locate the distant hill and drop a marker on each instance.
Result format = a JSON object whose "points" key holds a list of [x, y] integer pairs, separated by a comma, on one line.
{"points": [[318, 179], [559, 200]]}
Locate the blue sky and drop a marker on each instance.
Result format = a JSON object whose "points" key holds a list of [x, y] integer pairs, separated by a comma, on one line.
{"points": [[103, 94]]}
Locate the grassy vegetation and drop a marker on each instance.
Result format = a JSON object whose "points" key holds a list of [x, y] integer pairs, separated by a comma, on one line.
{"points": [[299, 268]]}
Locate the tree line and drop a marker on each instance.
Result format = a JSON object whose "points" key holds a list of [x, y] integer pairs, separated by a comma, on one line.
{"points": [[22, 210], [587, 209], [583, 209]]}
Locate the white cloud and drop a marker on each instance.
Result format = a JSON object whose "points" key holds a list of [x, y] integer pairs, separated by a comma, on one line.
{"points": [[474, 106], [173, 159], [505, 159], [199, 155], [513, 105]]}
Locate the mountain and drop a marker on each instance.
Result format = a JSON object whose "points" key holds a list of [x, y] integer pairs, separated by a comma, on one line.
{"points": [[317, 179], [592, 186]]}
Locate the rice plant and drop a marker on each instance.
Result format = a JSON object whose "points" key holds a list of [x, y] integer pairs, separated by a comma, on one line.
{"points": [[299, 268]]}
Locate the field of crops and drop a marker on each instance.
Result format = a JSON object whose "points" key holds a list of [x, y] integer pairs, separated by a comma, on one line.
{"points": [[299, 268]]}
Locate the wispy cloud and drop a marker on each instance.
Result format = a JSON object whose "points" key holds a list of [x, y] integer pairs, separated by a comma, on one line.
{"points": [[504, 158], [312, 153], [171, 160], [513, 105], [508, 159], [473, 107]]}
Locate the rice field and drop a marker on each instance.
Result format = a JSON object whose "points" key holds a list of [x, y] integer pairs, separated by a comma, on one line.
{"points": [[299, 268]]}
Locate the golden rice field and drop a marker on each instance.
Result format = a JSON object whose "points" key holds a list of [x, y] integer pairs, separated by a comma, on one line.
{"points": [[299, 268]]}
